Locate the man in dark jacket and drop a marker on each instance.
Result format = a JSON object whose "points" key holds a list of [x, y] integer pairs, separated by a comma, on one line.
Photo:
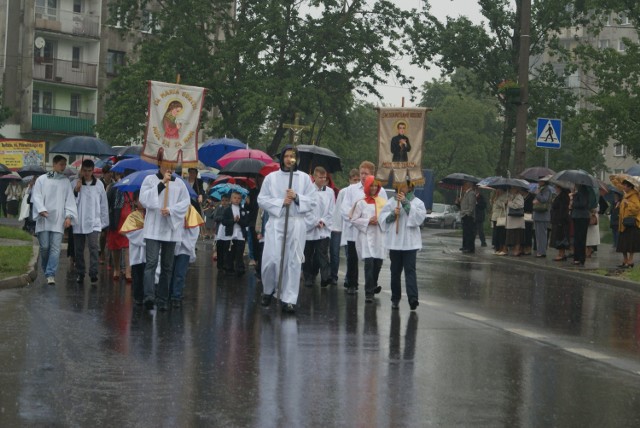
{"points": [[481, 209], [235, 221]]}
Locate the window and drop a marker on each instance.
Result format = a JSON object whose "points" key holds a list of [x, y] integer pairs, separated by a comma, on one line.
{"points": [[75, 104], [622, 46], [77, 6], [115, 60], [42, 102], [147, 21], [623, 18], [47, 9], [75, 57], [618, 150], [35, 104], [603, 44]]}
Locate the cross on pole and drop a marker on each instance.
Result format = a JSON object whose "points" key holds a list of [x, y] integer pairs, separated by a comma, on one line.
{"points": [[295, 128]]}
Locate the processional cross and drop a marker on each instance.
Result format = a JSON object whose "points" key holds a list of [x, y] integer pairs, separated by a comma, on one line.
{"points": [[296, 129]]}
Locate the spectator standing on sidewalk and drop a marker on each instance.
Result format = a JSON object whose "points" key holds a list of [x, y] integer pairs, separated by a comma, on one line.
{"points": [[481, 210]]}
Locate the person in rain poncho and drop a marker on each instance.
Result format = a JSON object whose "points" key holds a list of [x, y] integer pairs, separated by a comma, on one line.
{"points": [[93, 216], [403, 240], [54, 208], [274, 196], [166, 201], [319, 221], [370, 240]]}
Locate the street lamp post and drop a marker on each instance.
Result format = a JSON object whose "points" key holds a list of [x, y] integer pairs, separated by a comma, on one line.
{"points": [[523, 83]]}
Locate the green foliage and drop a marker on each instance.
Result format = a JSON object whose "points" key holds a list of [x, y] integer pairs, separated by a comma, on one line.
{"points": [[14, 260], [7, 232], [273, 60]]}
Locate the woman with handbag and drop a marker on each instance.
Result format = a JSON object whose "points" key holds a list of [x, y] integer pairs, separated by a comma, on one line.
{"points": [[515, 221], [629, 237], [560, 223], [580, 214]]}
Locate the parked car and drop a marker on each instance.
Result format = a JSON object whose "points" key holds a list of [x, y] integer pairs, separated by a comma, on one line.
{"points": [[442, 216]]}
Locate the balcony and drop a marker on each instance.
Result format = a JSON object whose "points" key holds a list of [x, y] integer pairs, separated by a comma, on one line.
{"points": [[62, 121], [64, 21], [62, 71]]}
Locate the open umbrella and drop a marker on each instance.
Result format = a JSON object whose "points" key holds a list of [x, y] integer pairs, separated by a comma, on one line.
{"points": [[30, 170], [244, 154], [535, 172], [212, 150], [4, 169], [503, 183], [208, 176], [11, 177], [575, 176], [247, 166], [129, 151], [269, 168], [234, 180], [458, 178], [634, 170], [617, 180], [311, 156], [220, 190], [135, 164], [133, 182], [83, 145]]}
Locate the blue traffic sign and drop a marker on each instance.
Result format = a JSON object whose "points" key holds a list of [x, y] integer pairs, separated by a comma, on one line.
{"points": [[549, 135]]}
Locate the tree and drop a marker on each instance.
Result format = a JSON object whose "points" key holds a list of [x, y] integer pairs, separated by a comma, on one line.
{"points": [[490, 51], [271, 61]]}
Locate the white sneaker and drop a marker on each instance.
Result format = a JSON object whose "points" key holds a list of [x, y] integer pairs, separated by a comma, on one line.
{"points": [[51, 280]]}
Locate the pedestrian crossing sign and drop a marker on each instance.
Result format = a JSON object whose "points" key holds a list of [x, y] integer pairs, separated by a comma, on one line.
{"points": [[549, 133]]}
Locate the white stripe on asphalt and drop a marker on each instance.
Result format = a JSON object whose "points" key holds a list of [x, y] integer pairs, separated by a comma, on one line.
{"points": [[526, 333]]}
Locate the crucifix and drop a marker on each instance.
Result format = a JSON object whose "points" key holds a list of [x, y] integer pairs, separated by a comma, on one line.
{"points": [[296, 129]]}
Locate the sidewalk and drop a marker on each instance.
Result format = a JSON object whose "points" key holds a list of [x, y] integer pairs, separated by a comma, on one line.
{"points": [[31, 274]]}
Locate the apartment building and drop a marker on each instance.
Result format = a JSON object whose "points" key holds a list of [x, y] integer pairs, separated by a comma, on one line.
{"points": [[616, 27]]}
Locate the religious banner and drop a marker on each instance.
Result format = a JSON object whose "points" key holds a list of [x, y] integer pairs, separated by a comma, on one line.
{"points": [[16, 154], [173, 120], [400, 137]]}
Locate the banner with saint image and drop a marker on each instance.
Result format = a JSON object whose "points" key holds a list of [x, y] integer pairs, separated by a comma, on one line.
{"points": [[400, 137], [173, 121]]}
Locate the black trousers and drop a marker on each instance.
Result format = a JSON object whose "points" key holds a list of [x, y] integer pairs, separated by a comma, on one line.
{"points": [[316, 259], [468, 233], [371, 273], [234, 259], [403, 261], [352, 264], [580, 226], [137, 282]]}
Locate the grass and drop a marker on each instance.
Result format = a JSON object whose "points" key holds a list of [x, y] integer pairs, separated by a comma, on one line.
{"points": [[14, 260], [7, 232]]}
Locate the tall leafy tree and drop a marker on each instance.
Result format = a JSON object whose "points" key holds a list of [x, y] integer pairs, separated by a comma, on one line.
{"points": [[490, 50], [272, 60]]}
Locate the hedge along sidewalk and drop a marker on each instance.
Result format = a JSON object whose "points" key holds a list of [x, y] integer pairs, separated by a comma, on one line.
{"points": [[18, 255]]}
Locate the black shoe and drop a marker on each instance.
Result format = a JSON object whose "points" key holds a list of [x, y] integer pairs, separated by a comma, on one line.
{"points": [[176, 304], [137, 302], [288, 308], [352, 290], [94, 279], [325, 284], [308, 284], [149, 304], [413, 304], [377, 290], [163, 306], [468, 251], [334, 281], [239, 273], [266, 300], [80, 279], [368, 298], [484, 244], [395, 305]]}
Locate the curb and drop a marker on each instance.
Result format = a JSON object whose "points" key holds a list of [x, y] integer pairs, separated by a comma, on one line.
{"points": [[23, 280]]}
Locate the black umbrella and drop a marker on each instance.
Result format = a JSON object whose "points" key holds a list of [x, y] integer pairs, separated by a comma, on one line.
{"points": [[458, 179], [535, 172], [4, 169], [576, 176], [129, 151], [28, 170], [312, 156], [83, 145], [246, 166], [502, 182]]}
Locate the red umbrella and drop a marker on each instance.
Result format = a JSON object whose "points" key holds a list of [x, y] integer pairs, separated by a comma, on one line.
{"points": [[269, 168], [249, 182], [244, 154]]}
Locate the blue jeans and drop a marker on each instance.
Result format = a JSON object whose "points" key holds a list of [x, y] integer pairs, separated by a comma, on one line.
{"points": [[49, 251], [180, 267], [166, 268], [334, 254]]}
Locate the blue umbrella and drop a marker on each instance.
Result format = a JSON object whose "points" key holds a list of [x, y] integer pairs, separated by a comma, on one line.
{"points": [[208, 176], [135, 164], [634, 170], [212, 150], [133, 182], [220, 190]]}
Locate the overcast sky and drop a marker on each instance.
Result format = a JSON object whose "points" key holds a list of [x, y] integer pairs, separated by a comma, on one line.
{"points": [[441, 8]]}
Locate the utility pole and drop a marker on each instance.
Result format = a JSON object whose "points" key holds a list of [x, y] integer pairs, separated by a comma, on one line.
{"points": [[523, 82]]}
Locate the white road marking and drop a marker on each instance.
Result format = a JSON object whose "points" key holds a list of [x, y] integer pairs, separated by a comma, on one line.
{"points": [[526, 333]]}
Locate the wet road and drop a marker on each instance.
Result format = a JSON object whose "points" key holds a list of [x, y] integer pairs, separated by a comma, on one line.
{"points": [[494, 342]]}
